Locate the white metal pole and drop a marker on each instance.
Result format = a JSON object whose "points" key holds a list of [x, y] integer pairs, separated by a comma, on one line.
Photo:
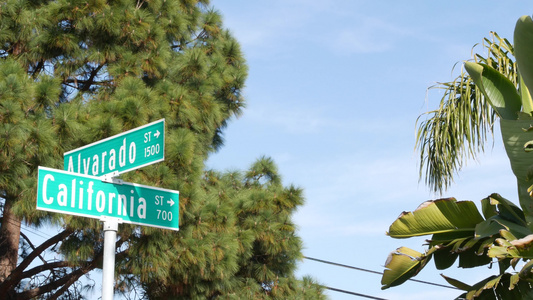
{"points": [[108, 269]]}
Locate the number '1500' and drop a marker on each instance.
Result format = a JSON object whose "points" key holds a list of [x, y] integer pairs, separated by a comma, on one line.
{"points": [[151, 150]]}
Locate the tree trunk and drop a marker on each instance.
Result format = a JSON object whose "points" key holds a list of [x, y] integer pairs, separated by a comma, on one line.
{"points": [[9, 241]]}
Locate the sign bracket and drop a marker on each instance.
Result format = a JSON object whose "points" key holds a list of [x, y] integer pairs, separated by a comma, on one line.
{"points": [[110, 178]]}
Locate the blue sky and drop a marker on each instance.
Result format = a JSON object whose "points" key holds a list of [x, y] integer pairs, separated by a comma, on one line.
{"points": [[333, 93]]}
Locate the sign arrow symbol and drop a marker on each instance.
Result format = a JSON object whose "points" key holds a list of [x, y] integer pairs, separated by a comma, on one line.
{"points": [[157, 133], [171, 202]]}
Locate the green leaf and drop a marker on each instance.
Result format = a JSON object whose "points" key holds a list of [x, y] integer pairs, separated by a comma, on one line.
{"points": [[515, 278], [494, 225], [525, 273], [444, 258], [517, 230], [439, 216], [488, 228], [401, 265], [484, 245], [515, 136], [488, 208], [508, 209], [491, 284], [456, 283], [527, 102], [499, 91], [523, 51], [507, 235], [505, 286], [447, 237], [504, 264], [503, 249], [470, 259]]}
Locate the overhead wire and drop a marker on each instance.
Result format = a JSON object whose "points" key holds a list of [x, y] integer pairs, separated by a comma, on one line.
{"points": [[32, 230], [376, 272], [36, 232], [352, 293], [41, 233]]}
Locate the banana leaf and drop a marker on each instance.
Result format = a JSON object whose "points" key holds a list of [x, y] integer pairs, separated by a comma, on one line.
{"points": [[515, 135], [401, 265], [523, 43], [506, 209], [497, 89], [436, 217], [504, 286]]}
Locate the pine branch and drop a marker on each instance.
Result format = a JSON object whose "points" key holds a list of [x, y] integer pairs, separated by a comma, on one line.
{"points": [[15, 276], [87, 83], [64, 288], [45, 245], [73, 279], [73, 83], [45, 267], [65, 282], [38, 68], [26, 274], [32, 246], [90, 81], [176, 46]]}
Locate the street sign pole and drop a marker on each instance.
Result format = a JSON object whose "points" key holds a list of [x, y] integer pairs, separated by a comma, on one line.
{"points": [[108, 269]]}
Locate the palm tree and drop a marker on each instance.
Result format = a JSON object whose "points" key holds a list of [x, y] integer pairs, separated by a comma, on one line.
{"points": [[488, 88]]}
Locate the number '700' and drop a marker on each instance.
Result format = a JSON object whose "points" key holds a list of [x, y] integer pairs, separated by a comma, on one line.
{"points": [[164, 215]]}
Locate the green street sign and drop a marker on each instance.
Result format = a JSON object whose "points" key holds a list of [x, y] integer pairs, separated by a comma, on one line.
{"points": [[121, 153], [90, 196]]}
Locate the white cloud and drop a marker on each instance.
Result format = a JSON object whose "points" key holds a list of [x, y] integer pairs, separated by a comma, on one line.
{"points": [[288, 23], [300, 120], [356, 177], [262, 31], [297, 118], [351, 196], [367, 35], [347, 196]]}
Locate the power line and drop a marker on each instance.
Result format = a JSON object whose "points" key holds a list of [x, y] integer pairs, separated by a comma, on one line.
{"points": [[32, 230], [36, 232], [341, 265], [375, 272], [352, 293]]}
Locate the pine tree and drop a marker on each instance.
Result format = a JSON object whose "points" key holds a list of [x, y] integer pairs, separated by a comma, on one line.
{"points": [[74, 72]]}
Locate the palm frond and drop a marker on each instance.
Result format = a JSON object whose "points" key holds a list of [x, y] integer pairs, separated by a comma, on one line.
{"points": [[458, 129]]}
